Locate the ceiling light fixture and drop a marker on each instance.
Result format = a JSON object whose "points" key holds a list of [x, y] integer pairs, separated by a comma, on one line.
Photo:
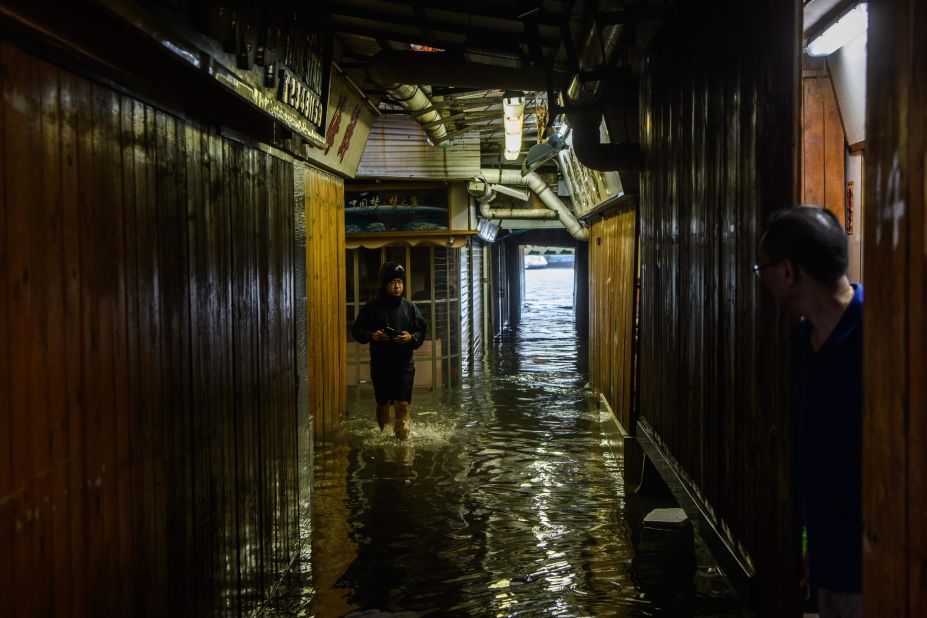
{"points": [[513, 115], [850, 25]]}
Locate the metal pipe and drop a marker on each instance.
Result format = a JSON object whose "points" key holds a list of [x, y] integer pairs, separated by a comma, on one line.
{"points": [[413, 100], [509, 213], [534, 182]]}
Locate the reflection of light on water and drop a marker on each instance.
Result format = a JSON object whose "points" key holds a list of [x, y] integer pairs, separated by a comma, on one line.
{"points": [[505, 501]]}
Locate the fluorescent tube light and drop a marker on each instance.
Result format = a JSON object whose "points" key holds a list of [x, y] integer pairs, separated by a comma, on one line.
{"points": [[848, 27], [513, 114]]}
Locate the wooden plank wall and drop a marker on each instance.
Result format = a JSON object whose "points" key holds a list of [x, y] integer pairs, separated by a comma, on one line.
{"points": [[895, 338], [612, 245], [147, 405], [719, 129], [325, 293], [823, 160]]}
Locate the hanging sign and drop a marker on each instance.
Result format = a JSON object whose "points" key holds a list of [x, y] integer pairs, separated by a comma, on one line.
{"points": [[349, 118], [301, 97]]}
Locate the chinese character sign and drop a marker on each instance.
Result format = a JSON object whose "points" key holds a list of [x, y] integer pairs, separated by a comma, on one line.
{"points": [[400, 208]]}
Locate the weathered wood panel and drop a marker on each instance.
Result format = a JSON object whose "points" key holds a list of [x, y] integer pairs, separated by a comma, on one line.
{"points": [[823, 168], [148, 448], [325, 292], [719, 130], [895, 340], [612, 279]]}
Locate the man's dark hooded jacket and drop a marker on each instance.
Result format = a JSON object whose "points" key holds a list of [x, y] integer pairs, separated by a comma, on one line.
{"points": [[398, 313]]}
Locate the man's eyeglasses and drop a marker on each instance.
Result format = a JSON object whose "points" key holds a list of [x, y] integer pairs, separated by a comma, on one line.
{"points": [[758, 267]]}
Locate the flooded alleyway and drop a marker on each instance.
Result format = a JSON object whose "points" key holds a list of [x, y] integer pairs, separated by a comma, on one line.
{"points": [[507, 500]]}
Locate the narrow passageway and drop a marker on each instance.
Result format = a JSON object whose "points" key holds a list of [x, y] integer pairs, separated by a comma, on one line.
{"points": [[505, 501]]}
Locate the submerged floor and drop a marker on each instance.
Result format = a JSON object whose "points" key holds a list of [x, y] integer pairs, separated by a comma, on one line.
{"points": [[506, 500]]}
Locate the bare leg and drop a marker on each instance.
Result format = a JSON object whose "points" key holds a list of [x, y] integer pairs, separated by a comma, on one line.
{"points": [[403, 424], [382, 416]]}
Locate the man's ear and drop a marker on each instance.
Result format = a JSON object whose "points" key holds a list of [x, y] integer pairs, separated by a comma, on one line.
{"points": [[791, 271]]}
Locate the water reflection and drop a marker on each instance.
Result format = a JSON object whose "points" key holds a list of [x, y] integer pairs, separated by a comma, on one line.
{"points": [[505, 501]]}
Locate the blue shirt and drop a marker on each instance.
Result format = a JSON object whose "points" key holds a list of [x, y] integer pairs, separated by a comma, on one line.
{"points": [[829, 401]]}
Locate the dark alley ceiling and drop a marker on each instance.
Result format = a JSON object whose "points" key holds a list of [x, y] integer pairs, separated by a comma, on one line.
{"points": [[550, 35]]}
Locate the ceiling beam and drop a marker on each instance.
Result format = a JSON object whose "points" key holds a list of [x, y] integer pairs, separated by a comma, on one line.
{"points": [[490, 9], [430, 27], [511, 50]]}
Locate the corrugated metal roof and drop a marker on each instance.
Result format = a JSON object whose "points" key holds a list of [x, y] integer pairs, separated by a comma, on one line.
{"points": [[397, 148]]}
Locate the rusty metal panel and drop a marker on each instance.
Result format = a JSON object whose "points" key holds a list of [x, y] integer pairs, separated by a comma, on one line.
{"points": [[397, 148], [719, 130]]}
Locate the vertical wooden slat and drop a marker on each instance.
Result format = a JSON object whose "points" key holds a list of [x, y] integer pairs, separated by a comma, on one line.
{"points": [[834, 154], [71, 250], [54, 295], [152, 422], [20, 145], [7, 525], [90, 377], [100, 298], [894, 338], [130, 462], [123, 421], [813, 142]]}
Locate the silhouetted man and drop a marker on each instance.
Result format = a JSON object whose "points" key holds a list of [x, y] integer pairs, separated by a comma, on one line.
{"points": [[394, 327], [803, 263]]}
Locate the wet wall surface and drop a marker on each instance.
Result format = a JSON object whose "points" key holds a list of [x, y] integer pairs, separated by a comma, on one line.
{"points": [[505, 501]]}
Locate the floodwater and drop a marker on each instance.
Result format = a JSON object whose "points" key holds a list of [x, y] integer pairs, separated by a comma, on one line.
{"points": [[506, 501]]}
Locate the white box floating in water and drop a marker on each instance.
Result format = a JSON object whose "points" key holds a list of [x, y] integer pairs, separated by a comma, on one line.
{"points": [[666, 519]]}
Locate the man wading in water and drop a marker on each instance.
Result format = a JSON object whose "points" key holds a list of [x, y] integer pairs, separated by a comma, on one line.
{"points": [[394, 327]]}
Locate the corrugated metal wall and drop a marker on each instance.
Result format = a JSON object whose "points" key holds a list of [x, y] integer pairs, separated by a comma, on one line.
{"points": [[471, 305], [148, 449], [476, 301], [612, 277], [719, 125], [397, 148], [466, 308], [326, 293], [447, 312]]}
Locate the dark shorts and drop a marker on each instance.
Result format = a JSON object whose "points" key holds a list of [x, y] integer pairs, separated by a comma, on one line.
{"points": [[392, 385]]}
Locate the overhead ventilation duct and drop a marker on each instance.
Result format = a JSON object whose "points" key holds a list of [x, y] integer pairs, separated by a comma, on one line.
{"points": [[590, 150], [534, 182], [414, 101]]}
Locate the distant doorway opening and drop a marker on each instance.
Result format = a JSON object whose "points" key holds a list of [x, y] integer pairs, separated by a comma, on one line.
{"points": [[549, 282]]}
